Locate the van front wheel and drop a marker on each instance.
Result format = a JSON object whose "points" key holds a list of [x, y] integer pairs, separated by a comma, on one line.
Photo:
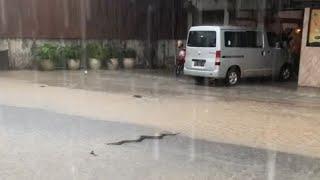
{"points": [[285, 73], [233, 77]]}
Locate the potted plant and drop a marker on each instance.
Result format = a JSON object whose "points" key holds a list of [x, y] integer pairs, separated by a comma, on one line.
{"points": [[96, 53], [115, 56], [46, 54], [72, 54], [129, 60]]}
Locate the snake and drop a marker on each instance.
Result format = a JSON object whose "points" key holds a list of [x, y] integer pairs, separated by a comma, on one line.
{"points": [[142, 138]]}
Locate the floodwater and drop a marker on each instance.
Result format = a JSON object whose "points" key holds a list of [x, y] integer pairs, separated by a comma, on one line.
{"points": [[39, 144], [260, 115], [153, 83], [51, 121]]}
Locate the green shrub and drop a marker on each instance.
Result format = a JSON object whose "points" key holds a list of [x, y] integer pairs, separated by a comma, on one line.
{"points": [[130, 53], [107, 52], [46, 51], [71, 52], [97, 51], [116, 53]]}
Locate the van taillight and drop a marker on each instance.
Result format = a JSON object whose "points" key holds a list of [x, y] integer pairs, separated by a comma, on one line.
{"points": [[218, 58]]}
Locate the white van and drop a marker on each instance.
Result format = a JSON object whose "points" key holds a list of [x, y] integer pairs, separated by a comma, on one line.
{"points": [[232, 53]]}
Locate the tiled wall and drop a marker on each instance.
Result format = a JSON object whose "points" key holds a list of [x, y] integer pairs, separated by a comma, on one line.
{"points": [[310, 59]]}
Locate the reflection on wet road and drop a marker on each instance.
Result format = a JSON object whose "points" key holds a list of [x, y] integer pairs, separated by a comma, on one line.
{"points": [[37, 144], [157, 84], [253, 114]]}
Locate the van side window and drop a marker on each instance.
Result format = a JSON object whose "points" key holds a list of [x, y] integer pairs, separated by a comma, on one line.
{"points": [[243, 39], [202, 39]]}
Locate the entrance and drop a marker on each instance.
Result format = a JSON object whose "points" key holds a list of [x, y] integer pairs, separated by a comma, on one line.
{"points": [[4, 60], [289, 25]]}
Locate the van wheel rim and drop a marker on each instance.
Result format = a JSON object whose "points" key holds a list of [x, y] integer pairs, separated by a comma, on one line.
{"points": [[286, 74], [233, 78]]}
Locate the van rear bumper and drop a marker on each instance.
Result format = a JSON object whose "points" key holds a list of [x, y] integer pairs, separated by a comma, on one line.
{"points": [[216, 74]]}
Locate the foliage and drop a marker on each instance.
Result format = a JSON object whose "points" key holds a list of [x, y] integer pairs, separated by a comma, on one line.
{"points": [[97, 51], [108, 52], [46, 51], [130, 53], [116, 53], [71, 52]]}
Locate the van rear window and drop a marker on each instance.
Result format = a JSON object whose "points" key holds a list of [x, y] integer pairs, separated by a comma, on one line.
{"points": [[202, 39]]}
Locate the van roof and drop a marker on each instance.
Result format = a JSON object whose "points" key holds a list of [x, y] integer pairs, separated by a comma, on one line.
{"points": [[208, 28]]}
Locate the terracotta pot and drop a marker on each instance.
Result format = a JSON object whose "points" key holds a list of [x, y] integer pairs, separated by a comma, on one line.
{"points": [[73, 64], [46, 65], [129, 63], [113, 64], [94, 64]]}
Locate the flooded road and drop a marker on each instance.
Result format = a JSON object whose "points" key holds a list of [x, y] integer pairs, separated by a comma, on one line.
{"points": [[152, 83], [38, 144], [254, 115]]}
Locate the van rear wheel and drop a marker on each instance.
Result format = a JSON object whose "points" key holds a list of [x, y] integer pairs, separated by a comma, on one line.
{"points": [[199, 80], [233, 77]]}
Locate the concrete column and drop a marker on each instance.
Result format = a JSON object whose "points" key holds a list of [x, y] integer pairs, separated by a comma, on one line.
{"points": [[200, 12], [200, 15], [261, 7], [190, 20], [191, 15], [226, 17], [309, 74]]}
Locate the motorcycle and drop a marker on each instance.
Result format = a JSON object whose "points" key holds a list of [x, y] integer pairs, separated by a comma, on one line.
{"points": [[180, 62]]}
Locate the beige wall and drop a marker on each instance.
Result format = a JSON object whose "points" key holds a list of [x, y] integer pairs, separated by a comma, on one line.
{"points": [[310, 59]]}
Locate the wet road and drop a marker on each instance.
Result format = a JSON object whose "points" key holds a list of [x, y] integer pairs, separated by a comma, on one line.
{"points": [[162, 84], [236, 126], [38, 144]]}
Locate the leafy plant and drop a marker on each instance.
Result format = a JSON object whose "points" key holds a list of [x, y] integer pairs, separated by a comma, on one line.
{"points": [[46, 51], [116, 53], [71, 52], [97, 51], [130, 53], [107, 52]]}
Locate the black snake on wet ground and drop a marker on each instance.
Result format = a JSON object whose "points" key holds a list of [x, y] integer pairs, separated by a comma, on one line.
{"points": [[142, 138]]}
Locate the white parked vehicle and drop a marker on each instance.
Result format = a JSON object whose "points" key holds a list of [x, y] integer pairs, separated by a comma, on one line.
{"points": [[232, 53]]}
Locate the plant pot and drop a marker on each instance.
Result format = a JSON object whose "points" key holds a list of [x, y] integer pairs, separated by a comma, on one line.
{"points": [[94, 64], [73, 64], [129, 63], [113, 64], [46, 65]]}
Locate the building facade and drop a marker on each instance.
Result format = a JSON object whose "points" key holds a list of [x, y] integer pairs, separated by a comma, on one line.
{"points": [[150, 26], [141, 24], [273, 15]]}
